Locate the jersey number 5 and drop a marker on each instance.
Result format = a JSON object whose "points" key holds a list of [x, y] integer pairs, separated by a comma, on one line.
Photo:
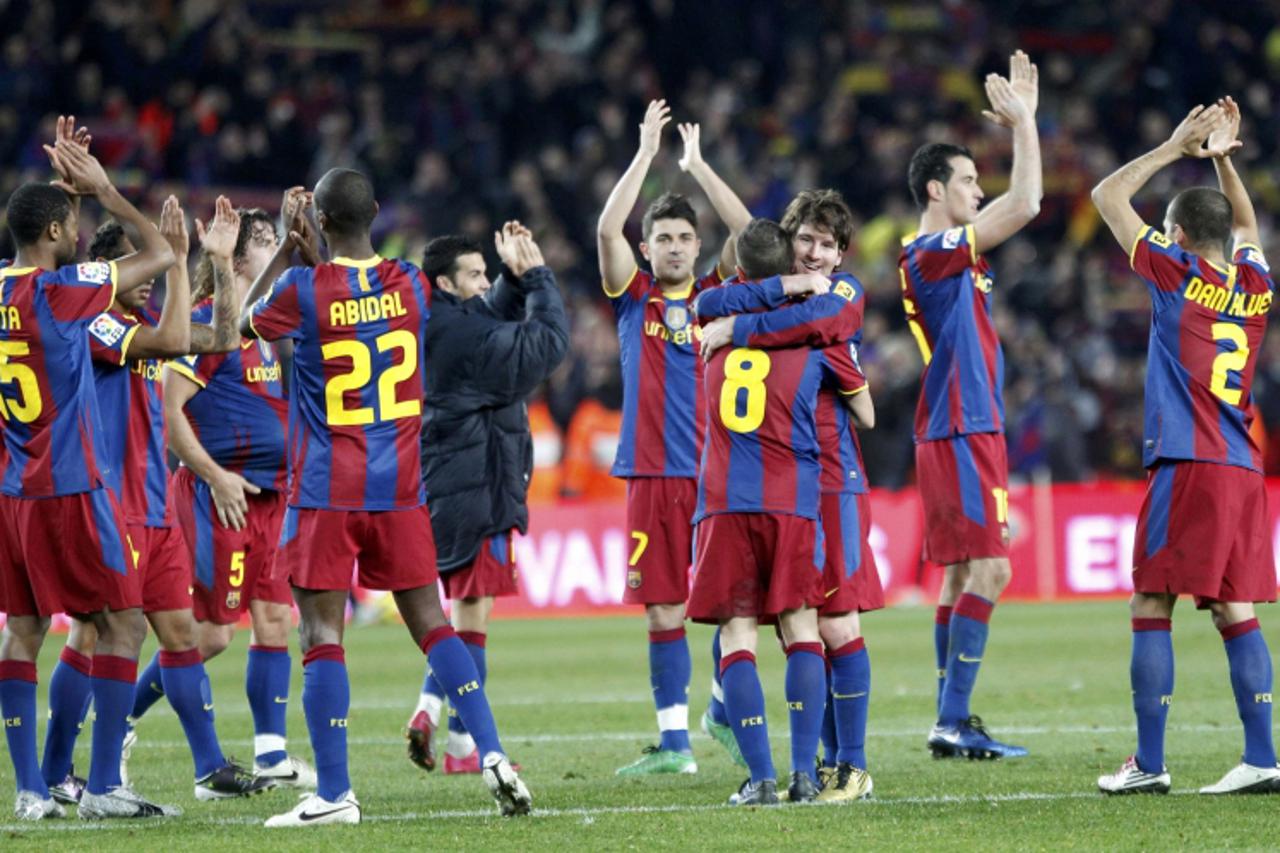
{"points": [[28, 408], [744, 371], [1234, 360], [390, 406]]}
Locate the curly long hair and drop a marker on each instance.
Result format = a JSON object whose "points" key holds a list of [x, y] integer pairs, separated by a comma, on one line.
{"points": [[202, 281]]}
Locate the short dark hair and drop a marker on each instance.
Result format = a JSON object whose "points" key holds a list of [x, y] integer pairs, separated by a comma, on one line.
{"points": [[668, 206], [764, 249], [33, 208], [345, 197], [932, 162], [441, 255], [824, 209], [108, 242], [202, 280], [1205, 214]]}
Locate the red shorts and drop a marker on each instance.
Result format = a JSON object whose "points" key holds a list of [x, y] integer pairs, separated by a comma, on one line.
{"points": [[755, 564], [231, 567], [660, 521], [851, 581], [67, 554], [491, 573], [1203, 531], [395, 549], [161, 554], [964, 486]]}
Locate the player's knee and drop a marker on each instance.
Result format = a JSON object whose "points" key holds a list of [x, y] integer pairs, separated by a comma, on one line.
{"points": [[837, 632], [664, 617], [214, 640], [176, 636], [82, 637], [272, 628], [122, 632], [22, 638]]}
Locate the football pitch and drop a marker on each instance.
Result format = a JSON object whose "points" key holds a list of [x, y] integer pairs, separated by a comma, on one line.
{"points": [[573, 704]]}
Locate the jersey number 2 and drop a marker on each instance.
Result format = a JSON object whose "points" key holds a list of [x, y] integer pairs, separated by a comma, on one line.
{"points": [[744, 370], [28, 408], [1230, 360], [390, 406]]}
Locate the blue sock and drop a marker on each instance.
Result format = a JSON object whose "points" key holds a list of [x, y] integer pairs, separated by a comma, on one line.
{"points": [[669, 672], [266, 684], [830, 745], [475, 643], [326, 699], [149, 690], [744, 703], [113, 690], [456, 671], [806, 690], [187, 687], [18, 708], [1151, 676], [69, 693], [851, 690], [715, 708], [941, 644], [1250, 664], [968, 638]]}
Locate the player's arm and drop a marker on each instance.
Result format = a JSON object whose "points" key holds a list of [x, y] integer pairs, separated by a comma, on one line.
{"points": [[764, 295], [299, 234], [172, 333], [219, 242], [861, 408], [227, 488], [732, 212], [1013, 105], [84, 175], [617, 261], [821, 320], [1113, 195], [1223, 142], [506, 297]]}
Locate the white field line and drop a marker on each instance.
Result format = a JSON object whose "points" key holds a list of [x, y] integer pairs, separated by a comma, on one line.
{"points": [[586, 813]]}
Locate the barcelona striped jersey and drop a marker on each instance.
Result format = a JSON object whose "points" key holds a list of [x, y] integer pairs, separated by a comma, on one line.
{"points": [[1207, 325], [355, 404], [131, 401], [662, 421], [240, 413], [946, 288], [52, 428]]}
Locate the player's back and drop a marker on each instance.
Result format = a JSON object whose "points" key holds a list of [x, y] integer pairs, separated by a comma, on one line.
{"points": [[52, 429], [356, 404], [1207, 326]]}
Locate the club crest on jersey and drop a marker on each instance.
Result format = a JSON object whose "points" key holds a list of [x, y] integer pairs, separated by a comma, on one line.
{"points": [[633, 579], [95, 273], [677, 317], [233, 599], [106, 328], [982, 282], [951, 238]]}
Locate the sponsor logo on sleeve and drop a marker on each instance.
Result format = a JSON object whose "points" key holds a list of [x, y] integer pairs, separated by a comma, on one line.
{"points": [[106, 328], [1253, 256], [95, 273], [951, 238]]}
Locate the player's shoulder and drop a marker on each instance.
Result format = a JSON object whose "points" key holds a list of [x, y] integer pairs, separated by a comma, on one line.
{"points": [[1250, 257]]}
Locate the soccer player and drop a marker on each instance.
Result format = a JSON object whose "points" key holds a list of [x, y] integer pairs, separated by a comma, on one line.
{"points": [[820, 226], [127, 344], [1203, 525], [758, 543], [65, 546], [491, 346], [961, 459], [662, 412], [226, 414], [358, 323]]}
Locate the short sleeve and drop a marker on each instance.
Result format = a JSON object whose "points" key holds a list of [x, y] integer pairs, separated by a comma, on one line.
{"points": [[80, 292], [109, 338], [279, 314], [1158, 260], [820, 320], [944, 254], [635, 287], [739, 297], [1250, 255], [200, 369], [844, 372]]}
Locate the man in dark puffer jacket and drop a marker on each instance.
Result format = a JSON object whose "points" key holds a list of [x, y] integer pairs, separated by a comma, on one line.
{"points": [[488, 347]]}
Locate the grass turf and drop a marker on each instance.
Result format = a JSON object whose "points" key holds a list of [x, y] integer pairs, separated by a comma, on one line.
{"points": [[573, 702]]}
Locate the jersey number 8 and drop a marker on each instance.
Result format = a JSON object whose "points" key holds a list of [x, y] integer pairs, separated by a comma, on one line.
{"points": [[745, 370], [390, 406]]}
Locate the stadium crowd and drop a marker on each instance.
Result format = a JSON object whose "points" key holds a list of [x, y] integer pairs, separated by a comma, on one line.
{"points": [[470, 113]]}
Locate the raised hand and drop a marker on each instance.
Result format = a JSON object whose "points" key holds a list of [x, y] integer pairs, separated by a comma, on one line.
{"points": [[656, 118], [691, 134], [79, 172], [219, 238], [1223, 141], [1190, 134], [517, 248], [1024, 77], [1007, 109], [66, 131], [295, 223], [173, 228]]}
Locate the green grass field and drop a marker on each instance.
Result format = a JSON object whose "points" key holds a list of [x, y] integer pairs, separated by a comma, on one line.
{"points": [[573, 703]]}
